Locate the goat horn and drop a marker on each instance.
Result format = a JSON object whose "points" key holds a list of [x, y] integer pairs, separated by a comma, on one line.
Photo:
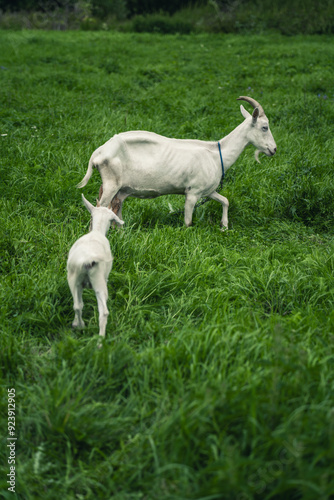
{"points": [[252, 102], [109, 206], [97, 202]]}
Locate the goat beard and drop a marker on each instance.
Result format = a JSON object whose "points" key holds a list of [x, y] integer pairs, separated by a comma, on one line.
{"points": [[257, 152]]}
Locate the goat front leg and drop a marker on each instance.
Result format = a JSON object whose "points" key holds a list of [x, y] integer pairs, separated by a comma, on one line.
{"points": [[224, 202], [190, 203]]}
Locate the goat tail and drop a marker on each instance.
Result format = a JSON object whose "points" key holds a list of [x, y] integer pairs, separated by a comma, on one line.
{"points": [[87, 176], [89, 265]]}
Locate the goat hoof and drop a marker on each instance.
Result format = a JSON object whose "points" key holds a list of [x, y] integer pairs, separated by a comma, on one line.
{"points": [[99, 344], [78, 326]]}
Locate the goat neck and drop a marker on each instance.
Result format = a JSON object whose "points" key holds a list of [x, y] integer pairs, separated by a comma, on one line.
{"points": [[100, 220], [234, 143]]}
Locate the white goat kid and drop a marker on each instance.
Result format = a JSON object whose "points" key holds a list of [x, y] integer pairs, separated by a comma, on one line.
{"points": [[145, 165], [89, 264]]}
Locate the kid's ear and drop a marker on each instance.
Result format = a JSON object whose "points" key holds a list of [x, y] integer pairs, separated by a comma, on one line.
{"points": [[115, 218], [88, 205]]}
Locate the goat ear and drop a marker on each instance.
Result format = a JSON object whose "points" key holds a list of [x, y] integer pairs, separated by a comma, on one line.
{"points": [[88, 205], [244, 112], [117, 219], [255, 115]]}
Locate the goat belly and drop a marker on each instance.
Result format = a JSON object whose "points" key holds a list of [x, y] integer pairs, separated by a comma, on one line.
{"points": [[148, 193], [151, 193], [151, 182]]}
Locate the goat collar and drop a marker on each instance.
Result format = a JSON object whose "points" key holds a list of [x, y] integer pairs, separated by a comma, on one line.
{"points": [[221, 160]]}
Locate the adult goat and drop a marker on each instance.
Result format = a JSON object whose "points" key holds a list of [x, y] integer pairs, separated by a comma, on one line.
{"points": [[146, 165], [89, 264]]}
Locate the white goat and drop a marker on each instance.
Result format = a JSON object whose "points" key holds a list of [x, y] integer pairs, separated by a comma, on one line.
{"points": [[145, 165], [89, 264]]}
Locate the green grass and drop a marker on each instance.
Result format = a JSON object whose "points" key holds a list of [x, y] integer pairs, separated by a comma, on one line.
{"points": [[215, 380]]}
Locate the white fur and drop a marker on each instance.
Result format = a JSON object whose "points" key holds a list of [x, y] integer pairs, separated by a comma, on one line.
{"points": [[145, 165], [89, 264]]}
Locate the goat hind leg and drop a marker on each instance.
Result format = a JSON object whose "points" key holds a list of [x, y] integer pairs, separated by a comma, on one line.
{"points": [[76, 291], [115, 202], [107, 193], [103, 311], [101, 292]]}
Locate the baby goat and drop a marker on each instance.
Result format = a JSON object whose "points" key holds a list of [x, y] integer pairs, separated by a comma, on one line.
{"points": [[89, 264]]}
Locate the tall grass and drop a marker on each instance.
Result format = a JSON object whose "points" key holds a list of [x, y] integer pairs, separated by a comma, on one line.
{"points": [[215, 380]]}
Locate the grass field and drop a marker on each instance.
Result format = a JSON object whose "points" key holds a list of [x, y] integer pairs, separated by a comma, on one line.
{"points": [[216, 378]]}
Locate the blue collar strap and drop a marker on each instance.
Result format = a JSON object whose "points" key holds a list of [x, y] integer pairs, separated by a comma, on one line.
{"points": [[221, 160]]}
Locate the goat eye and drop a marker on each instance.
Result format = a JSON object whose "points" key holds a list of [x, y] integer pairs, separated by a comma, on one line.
{"points": [[265, 129]]}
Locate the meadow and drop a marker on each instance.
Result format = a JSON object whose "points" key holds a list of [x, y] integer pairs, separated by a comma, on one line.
{"points": [[216, 377]]}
